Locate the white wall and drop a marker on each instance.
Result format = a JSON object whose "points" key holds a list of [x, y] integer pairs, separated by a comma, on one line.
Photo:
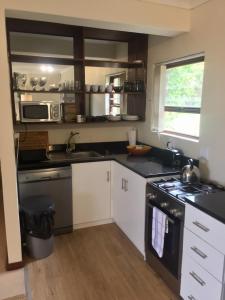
{"points": [[128, 15], [7, 156], [208, 35]]}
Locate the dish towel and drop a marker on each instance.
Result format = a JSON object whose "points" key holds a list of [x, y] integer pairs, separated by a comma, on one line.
{"points": [[159, 228]]}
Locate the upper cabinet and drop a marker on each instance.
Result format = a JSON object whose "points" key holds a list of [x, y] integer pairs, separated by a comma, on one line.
{"points": [[94, 72]]}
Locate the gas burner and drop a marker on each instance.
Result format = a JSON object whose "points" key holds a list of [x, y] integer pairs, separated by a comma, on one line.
{"points": [[176, 188]]}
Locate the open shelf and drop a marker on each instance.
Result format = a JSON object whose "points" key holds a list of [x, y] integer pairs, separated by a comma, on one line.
{"points": [[45, 60], [112, 64], [47, 92]]}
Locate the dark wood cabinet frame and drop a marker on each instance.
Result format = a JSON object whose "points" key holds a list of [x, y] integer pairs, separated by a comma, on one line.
{"points": [[136, 65]]}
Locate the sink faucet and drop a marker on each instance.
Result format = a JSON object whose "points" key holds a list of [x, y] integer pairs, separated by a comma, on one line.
{"points": [[69, 147]]}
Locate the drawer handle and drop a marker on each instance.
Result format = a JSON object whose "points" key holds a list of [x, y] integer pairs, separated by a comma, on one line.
{"points": [[199, 225], [191, 297], [199, 252], [197, 278]]}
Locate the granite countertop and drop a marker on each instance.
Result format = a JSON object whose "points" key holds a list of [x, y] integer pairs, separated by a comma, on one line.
{"points": [[212, 204], [146, 166]]}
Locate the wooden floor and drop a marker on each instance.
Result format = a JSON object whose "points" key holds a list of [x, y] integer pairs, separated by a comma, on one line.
{"points": [[97, 263], [3, 253]]}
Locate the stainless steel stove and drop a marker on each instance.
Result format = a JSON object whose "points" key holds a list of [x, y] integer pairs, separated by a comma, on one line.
{"points": [[170, 195], [180, 190]]}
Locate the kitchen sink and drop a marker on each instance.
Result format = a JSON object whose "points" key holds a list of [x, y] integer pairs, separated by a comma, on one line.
{"points": [[79, 155]]}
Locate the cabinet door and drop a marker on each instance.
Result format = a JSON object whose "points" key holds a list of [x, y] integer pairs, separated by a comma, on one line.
{"points": [[128, 198], [118, 195], [135, 187], [91, 192]]}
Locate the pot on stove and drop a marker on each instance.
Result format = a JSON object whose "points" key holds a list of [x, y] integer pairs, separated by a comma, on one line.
{"points": [[190, 173]]}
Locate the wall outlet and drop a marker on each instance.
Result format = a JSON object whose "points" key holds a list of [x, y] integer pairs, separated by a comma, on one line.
{"points": [[204, 152]]}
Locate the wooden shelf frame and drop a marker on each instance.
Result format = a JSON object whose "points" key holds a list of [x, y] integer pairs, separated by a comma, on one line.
{"points": [[136, 64]]}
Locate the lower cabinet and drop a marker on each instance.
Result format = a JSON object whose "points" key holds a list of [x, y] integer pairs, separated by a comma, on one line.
{"points": [[91, 183], [202, 275], [128, 203]]}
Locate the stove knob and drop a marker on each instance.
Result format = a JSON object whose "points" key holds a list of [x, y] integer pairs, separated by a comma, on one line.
{"points": [[151, 196], [176, 212], [164, 204]]}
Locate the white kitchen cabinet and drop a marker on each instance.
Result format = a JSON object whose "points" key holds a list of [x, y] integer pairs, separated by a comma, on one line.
{"points": [[128, 203], [202, 275], [91, 183]]}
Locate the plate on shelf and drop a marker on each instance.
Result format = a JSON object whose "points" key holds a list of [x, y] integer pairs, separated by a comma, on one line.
{"points": [[114, 118], [130, 117]]}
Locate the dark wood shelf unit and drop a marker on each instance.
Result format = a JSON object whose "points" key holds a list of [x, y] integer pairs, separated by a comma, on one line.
{"points": [[121, 93], [112, 64], [136, 64], [45, 60]]}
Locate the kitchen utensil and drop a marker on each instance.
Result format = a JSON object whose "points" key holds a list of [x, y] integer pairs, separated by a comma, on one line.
{"points": [[190, 173], [102, 89], [42, 82], [118, 89], [87, 88], [94, 88], [172, 157], [53, 87], [34, 82], [138, 149], [109, 88]]}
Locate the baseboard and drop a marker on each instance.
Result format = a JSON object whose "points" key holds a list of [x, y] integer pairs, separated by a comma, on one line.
{"points": [[14, 266], [91, 224]]}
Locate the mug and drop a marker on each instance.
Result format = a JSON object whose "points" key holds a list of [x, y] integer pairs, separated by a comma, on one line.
{"points": [[102, 89], [94, 88], [88, 87]]}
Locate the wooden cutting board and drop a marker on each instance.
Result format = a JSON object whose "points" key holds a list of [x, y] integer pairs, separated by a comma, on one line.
{"points": [[33, 140]]}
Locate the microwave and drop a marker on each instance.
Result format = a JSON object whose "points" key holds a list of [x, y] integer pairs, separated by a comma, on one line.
{"points": [[40, 111]]}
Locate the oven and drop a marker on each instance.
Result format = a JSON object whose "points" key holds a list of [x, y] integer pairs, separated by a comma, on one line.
{"points": [[169, 265], [40, 111]]}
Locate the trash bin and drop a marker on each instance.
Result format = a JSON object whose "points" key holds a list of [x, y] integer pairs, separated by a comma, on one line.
{"points": [[38, 221]]}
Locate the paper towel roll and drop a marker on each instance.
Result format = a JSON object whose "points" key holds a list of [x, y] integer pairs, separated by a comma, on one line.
{"points": [[132, 134]]}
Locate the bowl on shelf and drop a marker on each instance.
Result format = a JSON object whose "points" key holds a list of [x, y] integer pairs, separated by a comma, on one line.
{"points": [[130, 117], [138, 149], [114, 118]]}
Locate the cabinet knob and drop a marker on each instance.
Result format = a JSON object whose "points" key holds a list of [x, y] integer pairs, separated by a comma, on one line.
{"points": [[164, 204]]}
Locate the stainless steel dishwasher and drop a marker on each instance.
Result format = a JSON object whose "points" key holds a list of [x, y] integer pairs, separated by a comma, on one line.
{"points": [[55, 183]]}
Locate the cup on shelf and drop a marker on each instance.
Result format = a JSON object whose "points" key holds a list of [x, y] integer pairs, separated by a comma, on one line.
{"points": [[94, 88], [109, 88], [87, 88], [101, 88]]}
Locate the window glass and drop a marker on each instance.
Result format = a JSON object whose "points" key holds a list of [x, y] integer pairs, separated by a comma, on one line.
{"points": [[182, 97]]}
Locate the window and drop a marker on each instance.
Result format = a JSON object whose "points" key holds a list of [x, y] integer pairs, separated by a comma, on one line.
{"points": [[181, 94]]}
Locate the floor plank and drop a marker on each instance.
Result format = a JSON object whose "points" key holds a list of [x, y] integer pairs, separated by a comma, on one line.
{"points": [[97, 263]]}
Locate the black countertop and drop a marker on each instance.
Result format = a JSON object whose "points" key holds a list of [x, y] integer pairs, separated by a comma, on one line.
{"points": [[147, 166], [212, 204]]}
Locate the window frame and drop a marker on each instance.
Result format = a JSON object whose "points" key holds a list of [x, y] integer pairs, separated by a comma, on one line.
{"points": [[180, 109]]}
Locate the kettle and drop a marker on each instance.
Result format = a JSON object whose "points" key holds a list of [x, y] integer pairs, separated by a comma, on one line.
{"points": [[190, 173]]}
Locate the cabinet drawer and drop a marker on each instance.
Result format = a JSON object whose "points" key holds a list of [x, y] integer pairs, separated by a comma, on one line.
{"points": [[204, 254], [198, 284], [206, 227]]}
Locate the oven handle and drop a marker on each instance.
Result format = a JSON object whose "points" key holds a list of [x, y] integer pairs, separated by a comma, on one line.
{"points": [[168, 218]]}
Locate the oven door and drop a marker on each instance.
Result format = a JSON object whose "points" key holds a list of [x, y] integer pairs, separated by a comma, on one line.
{"points": [[35, 112], [171, 258]]}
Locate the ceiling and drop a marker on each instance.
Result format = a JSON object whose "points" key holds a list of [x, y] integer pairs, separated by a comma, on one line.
{"points": [[187, 4]]}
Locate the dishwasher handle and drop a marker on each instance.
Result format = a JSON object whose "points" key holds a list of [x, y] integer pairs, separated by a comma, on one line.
{"points": [[44, 175]]}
